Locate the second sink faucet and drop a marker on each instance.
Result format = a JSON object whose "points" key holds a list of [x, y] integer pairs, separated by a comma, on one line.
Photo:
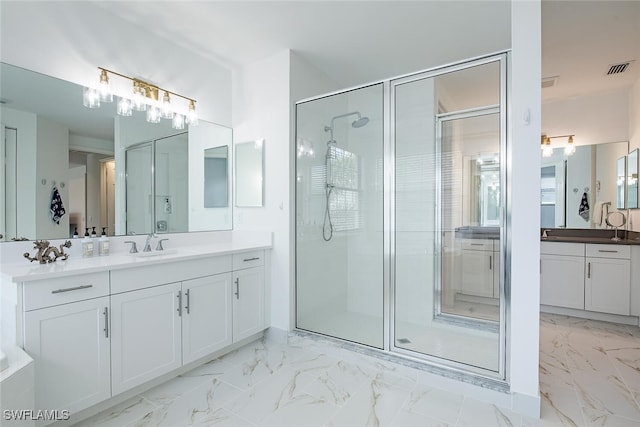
{"points": [[147, 243]]}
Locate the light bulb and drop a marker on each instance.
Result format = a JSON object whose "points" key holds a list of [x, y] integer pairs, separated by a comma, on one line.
{"points": [[90, 98], [569, 149], [178, 121], [153, 114], [125, 107], [139, 103], [192, 117], [166, 112], [104, 88], [547, 151]]}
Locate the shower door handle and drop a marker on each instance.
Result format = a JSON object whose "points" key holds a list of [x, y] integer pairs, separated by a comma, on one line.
{"points": [[237, 292]]}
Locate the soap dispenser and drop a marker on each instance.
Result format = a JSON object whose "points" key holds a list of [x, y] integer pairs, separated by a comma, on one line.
{"points": [[87, 245], [103, 243], [75, 233]]}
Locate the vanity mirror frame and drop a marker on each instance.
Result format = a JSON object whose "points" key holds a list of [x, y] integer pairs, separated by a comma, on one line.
{"points": [[621, 183], [249, 174], [632, 180]]}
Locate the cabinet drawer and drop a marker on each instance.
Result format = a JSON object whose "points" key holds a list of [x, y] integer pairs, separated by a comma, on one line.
{"points": [[609, 251], [248, 260], [477, 244], [562, 248], [63, 290], [131, 279]]}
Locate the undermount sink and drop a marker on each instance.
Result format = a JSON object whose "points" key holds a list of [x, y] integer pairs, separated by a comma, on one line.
{"points": [[155, 253]]}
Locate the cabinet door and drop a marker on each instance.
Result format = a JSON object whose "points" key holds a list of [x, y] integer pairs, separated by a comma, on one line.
{"points": [[608, 285], [146, 338], [562, 281], [206, 316], [248, 302], [70, 346], [477, 273]]}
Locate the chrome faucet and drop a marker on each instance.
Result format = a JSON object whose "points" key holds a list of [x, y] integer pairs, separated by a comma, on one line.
{"points": [[147, 243], [544, 234]]}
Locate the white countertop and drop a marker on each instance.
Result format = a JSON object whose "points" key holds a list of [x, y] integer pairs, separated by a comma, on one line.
{"points": [[25, 271]]}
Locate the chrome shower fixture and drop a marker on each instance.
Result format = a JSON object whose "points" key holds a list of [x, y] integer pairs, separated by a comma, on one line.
{"points": [[357, 123]]}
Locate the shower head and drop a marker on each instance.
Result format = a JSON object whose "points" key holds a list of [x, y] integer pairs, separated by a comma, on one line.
{"points": [[362, 121], [357, 123]]}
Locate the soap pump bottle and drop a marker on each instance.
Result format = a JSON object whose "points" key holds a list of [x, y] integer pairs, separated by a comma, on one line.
{"points": [[94, 235], [87, 245], [75, 233], [103, 243]]}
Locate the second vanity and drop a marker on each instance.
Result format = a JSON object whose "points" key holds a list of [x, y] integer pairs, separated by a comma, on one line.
{"points": [[590, 276], [99, 328]]}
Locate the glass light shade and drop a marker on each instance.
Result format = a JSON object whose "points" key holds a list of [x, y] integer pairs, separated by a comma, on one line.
{"points": [[178, 121], [139, 102], [192, 117], [125, 107], [153, 114], [547, 151], [90, 98], [104, 88], [166, 112], [569, 149]]}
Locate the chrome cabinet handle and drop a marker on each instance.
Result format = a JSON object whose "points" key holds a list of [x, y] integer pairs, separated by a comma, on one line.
{"points": [[186, 307], [607, 251], [237, 293], [251, 259], [477, 244], [106, 322], [490, 262], [589, 270], [76, 288], [179, 309]]}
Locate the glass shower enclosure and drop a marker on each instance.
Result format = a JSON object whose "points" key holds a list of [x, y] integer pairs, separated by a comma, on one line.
{"points": [[401, 219]]}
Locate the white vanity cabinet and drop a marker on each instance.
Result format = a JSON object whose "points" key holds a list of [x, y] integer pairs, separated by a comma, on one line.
{"points": [[592, 277], [480, 268], [248, 294], [146, 335], [66, 332], [562, 272], [94, 336], [608, 281], [206, 316]]}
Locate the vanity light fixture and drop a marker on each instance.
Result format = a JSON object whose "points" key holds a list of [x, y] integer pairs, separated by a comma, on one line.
{"points": [[145, 97], [547, 150]]}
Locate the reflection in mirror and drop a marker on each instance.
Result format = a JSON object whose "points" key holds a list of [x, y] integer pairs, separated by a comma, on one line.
{"points": [[216, 177], [249, 173], [590, 173], [632, 180], [621, 182], [55, 138]]}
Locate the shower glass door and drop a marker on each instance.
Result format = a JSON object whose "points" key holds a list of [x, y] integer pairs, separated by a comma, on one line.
{"points": [[449, 213], [339, 216]]}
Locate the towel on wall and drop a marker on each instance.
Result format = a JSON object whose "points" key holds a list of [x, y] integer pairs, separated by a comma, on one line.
{"points": [[57, 208], [583, 210]]}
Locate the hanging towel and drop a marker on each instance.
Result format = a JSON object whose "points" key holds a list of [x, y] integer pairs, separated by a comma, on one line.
{"points": [[57, 208], [583, 210]]}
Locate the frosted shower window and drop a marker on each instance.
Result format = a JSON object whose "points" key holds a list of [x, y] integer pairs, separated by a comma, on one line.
{"points": [[339, 214]]}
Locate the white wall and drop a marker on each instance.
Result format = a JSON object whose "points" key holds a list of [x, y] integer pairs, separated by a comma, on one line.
{"points": [[524, 192], [69, 39], [594, 119]]}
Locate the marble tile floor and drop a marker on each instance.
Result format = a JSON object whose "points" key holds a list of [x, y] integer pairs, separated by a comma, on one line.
{"points": [[589, 376]]}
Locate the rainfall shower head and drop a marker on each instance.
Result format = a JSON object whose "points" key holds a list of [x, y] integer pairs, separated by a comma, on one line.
{"points": [[362, 121], [357, 123]]}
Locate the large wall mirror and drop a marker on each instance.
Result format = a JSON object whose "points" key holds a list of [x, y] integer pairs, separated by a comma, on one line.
{"points": [[93, 157], [589, 174]]}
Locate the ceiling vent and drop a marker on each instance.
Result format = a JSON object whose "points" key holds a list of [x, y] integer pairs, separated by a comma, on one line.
{"points": [[549, 82], [618, 68]]}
